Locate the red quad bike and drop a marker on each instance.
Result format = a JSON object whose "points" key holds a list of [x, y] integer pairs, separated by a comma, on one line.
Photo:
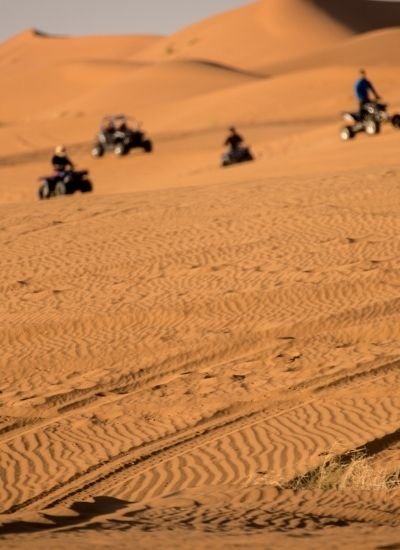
{"points": [[117, 136]]}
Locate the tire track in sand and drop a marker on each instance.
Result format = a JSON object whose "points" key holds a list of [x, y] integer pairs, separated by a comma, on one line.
{"points": [[282, 435]]}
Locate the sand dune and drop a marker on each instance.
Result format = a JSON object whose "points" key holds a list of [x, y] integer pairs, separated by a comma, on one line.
{"points": [[149, 88], [182, 349], [45, 50], [371, 49], [362, 16], [269, 31], [264, 31], [37, 70]]}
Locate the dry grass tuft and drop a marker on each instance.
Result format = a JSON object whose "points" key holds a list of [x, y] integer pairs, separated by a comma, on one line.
{"points": [[354, 470]]}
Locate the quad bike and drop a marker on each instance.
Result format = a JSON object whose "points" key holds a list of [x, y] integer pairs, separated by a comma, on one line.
{"points": [[115, 135], [64, 183], [235, 156], [369, 120]]}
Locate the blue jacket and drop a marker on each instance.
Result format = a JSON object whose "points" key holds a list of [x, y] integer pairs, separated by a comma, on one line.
{"points": [[362, 88]]}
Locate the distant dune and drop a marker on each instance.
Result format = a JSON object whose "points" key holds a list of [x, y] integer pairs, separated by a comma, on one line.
{"points": [[371, 49], [362, 15], [273, 30], [37, 68], [61, 47], [249, 36]]}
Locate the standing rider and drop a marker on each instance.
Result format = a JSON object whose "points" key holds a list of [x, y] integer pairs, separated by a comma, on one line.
{"points": [[362, 89]]}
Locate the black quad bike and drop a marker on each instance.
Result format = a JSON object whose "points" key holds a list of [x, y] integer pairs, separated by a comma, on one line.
{"points": [[65, 183], [116, 136], [235, 156], [369, 120]]}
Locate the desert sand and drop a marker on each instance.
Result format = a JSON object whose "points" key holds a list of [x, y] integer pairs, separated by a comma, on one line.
{"points": [[185, 347]]}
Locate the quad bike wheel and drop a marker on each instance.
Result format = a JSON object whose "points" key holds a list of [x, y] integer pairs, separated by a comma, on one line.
{"points": [[396, 121], [347, 133], [97, 151], [147, 146], [120, 150], [60, 189], [44, 191], [372, 127]]}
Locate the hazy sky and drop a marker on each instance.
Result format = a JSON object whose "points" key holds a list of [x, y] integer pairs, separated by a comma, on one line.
{"points": [[106, 16]]}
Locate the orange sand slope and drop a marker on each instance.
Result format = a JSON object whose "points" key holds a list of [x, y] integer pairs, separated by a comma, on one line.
{"points": [[222, 336], [185, 347]]}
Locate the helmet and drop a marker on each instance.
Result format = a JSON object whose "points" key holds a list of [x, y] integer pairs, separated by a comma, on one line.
{"points": [[60, 150]]}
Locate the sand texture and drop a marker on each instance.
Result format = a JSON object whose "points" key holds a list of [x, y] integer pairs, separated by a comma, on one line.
{"points": [[185, 347]]}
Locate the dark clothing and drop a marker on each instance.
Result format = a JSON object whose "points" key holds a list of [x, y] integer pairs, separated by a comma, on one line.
{"points": [[110, 128], [362, 88], [362, 107], [233, 141], [108, 132], [61, 163]]}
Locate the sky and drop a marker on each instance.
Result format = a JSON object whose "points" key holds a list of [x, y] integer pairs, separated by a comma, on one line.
{"points": [[106, 16]]}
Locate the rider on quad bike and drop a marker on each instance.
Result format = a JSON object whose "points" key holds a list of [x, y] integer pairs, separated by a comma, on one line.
{"points": [[60, 161], [65, 180], [362, 89], [237, 152], [234, 140], [371, 113]]}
